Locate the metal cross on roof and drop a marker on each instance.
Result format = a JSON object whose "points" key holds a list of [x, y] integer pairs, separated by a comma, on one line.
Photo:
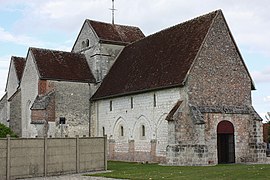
{"points": [[112, 9]]}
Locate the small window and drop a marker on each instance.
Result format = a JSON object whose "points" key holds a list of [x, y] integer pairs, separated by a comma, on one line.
{"points": [[87, 43], [62, 120], [83, 44], [103, 131], [110, 105], [131, 102], [121, 131], [143, 131], [155, 100]]}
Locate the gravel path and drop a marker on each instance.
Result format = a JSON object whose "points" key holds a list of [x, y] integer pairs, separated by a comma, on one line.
{"points": [[72, 177]]}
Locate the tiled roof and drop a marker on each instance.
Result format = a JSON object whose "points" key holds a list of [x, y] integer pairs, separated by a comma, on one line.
{"points": [[19, 63], [157, 61], [59, 65], [42, 101], [116, 33]]}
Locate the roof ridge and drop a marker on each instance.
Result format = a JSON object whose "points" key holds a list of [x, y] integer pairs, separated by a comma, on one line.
{"points": [[18, 57], [112, 24], [61, 65], [187, 21], [165, 56], [176, 25], [46, 49]]}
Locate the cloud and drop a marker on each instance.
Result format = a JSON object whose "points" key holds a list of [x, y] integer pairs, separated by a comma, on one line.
{"points": [[266, 99], [4, 64], [7, 37], [261, 76], [249, 20], [63, 15]]}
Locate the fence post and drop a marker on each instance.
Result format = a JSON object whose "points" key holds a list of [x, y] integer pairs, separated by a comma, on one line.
{"points": [[45, 155], [105, 152], [77, 154], [8, 158]]}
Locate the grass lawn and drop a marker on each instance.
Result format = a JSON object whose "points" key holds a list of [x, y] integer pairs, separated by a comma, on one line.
{"points": [[125, 170]]}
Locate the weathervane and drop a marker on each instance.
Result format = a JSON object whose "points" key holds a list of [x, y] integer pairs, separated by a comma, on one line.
{"points": [[113, 9]]}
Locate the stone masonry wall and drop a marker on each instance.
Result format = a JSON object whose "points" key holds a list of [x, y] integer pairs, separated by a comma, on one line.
{"points": [[200, 148], [256, 144], [187, 144], [108, 116], [3, 110], [12, 83], [86, 33], [72, 103], [100, 56], [241, 125], [12, 87], [219, 76], [15, 121], [29, 91]]}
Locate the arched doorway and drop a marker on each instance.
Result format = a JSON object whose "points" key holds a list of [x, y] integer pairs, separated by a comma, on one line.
{"points": [[225, 142]]}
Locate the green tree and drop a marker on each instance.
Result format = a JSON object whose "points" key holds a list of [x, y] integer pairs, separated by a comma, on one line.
{"points": [[4, 131]]}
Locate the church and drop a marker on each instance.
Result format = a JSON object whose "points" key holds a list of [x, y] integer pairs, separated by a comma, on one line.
{"points": [[181, 96]]}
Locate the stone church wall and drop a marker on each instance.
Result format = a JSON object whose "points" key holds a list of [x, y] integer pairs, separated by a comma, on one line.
{"points": [[100, 56], [122, 120], [241, 125], [15, 121], [218, 79], [29, 91], [219, 76], [72, 103], [12, 83], [12, 87], [86, 33], [3, 110]]}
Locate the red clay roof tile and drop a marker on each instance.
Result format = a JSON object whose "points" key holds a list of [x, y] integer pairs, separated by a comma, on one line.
{"points": [[116, 33], [19, 63], [59, 65], [157, 61]]}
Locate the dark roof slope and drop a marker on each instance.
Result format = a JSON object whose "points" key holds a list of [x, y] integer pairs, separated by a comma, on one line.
{"points": [[59, 65], [158, 61], [169, 117], [19, 63], [116, 33]]}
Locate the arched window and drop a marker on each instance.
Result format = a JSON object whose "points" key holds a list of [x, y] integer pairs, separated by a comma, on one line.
{"points": [[87, 43], [155, 100], [103, 131], [83, 44], [121, 131], [131, 102], [111, 105], [143, 131]]}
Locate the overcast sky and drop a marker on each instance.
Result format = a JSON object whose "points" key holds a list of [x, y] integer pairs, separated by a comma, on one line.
{"points": [[55, 24]]}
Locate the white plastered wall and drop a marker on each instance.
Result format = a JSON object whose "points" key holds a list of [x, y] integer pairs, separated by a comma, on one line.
{"points": [[132, 119]]}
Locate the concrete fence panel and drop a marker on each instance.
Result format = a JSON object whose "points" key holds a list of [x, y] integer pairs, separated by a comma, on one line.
{"points": [[3, 158], [36, 157], [96, 152], [26, 157], [61, 156]]}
